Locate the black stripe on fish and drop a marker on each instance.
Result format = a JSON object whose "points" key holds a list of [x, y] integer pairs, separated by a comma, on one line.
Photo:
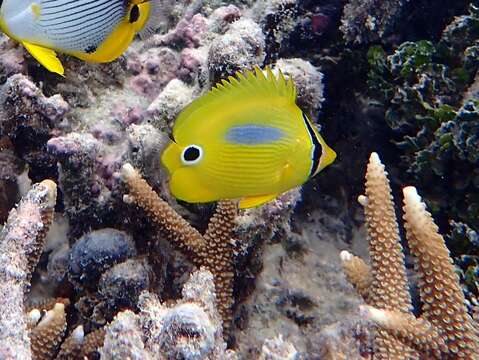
{"points": [[134, 14], [317, 149], [97, 25], [81, 25], [116, 13], [69, 15]]}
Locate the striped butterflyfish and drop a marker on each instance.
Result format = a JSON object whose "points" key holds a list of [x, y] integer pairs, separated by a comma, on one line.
{"points": [[245, 139], [91, 30]]}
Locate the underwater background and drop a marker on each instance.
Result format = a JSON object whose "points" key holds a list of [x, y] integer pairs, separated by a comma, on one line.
{"points": [[394, 77]]}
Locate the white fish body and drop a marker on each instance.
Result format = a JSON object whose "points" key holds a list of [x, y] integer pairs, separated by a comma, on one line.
{"points": [[93, 30]]}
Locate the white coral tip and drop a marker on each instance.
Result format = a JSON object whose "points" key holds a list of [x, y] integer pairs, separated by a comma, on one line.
{"points": [[411, 196], [374, 158], [345, 256], [376, 315], [127, 171], [34, 316], [363, 200], [58, 310], [78, 334]]}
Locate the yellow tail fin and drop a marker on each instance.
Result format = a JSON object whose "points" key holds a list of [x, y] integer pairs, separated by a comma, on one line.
{"points": [[46, 57]]}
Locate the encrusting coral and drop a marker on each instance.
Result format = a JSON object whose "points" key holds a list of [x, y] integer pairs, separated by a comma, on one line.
{"points": [[188, 329], [21, 244], [212, 250], [444, 330]]}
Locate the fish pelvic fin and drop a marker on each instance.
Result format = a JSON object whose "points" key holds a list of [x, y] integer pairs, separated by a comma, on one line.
{"points": [[47, 57], [254, 201]]}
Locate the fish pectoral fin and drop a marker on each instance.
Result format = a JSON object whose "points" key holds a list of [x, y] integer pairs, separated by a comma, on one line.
{"points": [[47, 57], [254, 201]]}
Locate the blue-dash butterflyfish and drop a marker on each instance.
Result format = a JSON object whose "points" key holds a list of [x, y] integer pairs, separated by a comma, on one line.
{"points": [[245, 139], [91, 30]]}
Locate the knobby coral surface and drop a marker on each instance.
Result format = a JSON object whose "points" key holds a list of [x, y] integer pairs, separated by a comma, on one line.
{"points": [[214, 249], [188, 329], [21, 244], [444, 330]]}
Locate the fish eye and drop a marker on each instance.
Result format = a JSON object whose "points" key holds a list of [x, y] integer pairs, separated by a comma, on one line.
{"points": [[191, 154], [134, 14]]}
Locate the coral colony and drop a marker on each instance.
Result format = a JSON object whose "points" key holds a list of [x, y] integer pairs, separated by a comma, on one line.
{"points": [[99, 261]]}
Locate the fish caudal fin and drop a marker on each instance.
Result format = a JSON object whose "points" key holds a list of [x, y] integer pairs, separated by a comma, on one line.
{"points": [[47, 57], [151, 15], [254, 201]]}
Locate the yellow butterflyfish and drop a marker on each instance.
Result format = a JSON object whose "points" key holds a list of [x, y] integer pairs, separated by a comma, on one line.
{"points": [[245, 139], [91, 30]]}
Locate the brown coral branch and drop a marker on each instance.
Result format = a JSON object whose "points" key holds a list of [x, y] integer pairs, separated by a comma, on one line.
{"points": [[21, 243], [388, 284], [389, 288], [439, 286], [418, 333], [171, 224], [47, 336], [445, 330], [213, 250], [358, 273]]}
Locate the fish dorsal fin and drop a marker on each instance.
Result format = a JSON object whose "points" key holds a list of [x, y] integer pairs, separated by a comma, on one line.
{"points": [[46, 57], [247, 84]]}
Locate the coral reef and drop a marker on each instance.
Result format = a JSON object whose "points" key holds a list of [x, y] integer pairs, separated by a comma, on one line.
{"points": [[21, 243], [409, 92], [444, 329], [368, 21], [212, 250], [189, 329]]}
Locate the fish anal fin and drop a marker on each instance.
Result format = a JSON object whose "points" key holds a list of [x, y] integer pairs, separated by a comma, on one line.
{"points": [[254, 201], [47, 57]]}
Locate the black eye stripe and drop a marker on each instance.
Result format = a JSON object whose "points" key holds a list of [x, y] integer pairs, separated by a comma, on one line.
{"points": [[134, 14]]}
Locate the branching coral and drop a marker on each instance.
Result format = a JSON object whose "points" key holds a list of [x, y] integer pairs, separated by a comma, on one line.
{"points": [[47, 335], [21, 244], [444, 330], [212, 250]]}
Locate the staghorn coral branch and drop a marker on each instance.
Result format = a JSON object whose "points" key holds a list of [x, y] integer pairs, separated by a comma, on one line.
{"points": [[389, 288], [388, 284], [21, 243], [218, 256], [47, 336], [409, 330], [439, 287], [173, 226], [358, 273], [213, 250], [445, 330]]}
